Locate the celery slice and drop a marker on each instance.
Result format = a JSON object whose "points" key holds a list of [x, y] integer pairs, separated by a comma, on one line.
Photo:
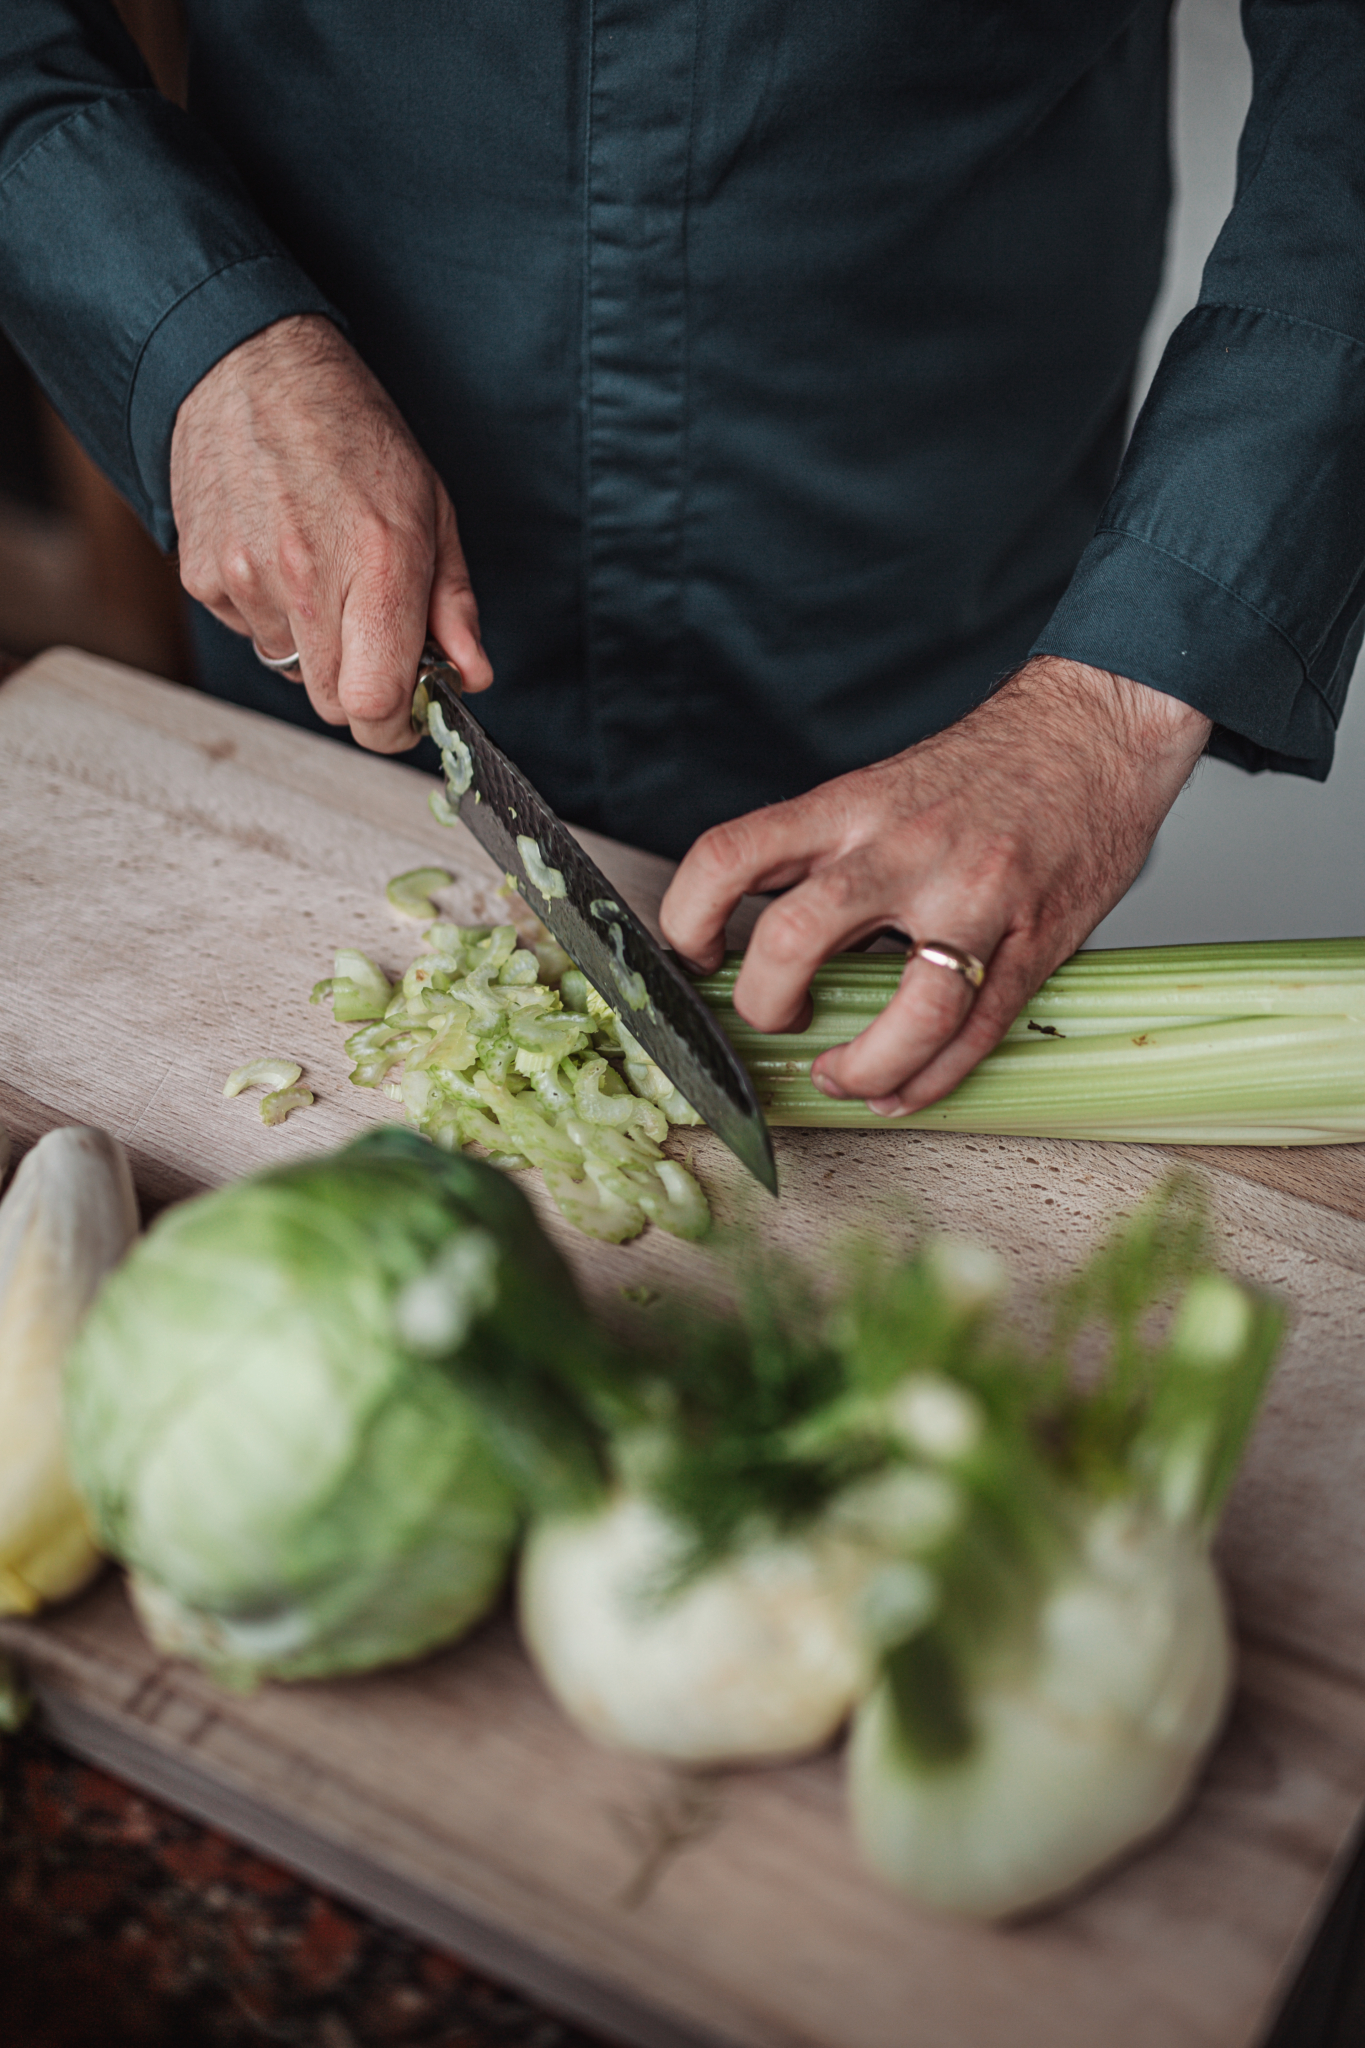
{"points": [[262, 1073], [410, 894], [549, 881], [652, 1082], [358, 989], [457, 763], [276, 1106], [280, 1078], [630, 984]]}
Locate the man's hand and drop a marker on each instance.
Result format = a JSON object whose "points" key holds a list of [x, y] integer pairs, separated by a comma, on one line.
{"points": [[1010, 835], [310, 519]]}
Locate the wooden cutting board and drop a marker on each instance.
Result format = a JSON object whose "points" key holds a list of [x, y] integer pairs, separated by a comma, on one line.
{"points": [[174, 874]]}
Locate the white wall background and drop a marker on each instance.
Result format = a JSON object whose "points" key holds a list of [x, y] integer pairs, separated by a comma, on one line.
{"points": [[1241, 856]]}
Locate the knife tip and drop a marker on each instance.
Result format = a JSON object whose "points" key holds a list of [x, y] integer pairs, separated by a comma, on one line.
{"points": [[756, 1152]]}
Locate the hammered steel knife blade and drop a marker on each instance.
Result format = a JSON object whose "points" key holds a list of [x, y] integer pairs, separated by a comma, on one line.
{"points": [[601, 935]]}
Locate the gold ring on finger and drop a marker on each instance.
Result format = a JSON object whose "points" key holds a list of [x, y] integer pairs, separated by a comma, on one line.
{"points": [[939, 953]]}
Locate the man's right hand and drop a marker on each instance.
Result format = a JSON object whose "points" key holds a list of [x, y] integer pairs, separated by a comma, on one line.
{"points": [[310, 519]]}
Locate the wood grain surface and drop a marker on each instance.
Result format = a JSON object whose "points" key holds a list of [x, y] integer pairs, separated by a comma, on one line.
{"points": [[174, 874]]}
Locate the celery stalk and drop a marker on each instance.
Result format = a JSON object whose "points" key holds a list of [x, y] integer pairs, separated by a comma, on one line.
{"points": [[1246, 1044]]}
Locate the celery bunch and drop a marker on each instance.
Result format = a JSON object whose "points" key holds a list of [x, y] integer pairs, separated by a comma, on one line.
{"points": [[1247, 1044], [67, 1218]]}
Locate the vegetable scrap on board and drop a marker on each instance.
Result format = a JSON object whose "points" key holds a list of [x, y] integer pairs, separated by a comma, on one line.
{"points": [[410, 894], [280, 1078]]}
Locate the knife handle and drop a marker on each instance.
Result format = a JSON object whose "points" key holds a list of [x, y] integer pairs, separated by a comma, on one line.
{"points": [[434, 667], [436, 662]]}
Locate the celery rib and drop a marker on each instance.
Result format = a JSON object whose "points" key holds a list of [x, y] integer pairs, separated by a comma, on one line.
{"points": [[1240, 1044]]}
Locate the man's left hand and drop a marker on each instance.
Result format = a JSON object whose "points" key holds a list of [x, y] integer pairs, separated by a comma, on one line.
{"points": [[1009, 836]]}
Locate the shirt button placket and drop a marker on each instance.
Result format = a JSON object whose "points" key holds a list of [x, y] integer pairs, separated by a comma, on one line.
{"points": [[639, 124]]}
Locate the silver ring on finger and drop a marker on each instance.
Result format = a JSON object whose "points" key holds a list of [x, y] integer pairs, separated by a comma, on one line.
{"points": [[280, 664], [938, 953]]}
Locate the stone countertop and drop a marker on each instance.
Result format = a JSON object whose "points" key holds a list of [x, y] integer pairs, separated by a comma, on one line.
{"points": [[124, 1925]]}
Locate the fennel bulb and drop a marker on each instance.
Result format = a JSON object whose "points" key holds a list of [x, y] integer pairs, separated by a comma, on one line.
{"points": [[1055, 1658], [1080, 1751], [295, 1411], [710, 1607], [68, 1217], [756, 1656]]}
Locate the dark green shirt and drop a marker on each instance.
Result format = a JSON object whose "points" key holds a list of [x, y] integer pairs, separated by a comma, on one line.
{"points": [[775, 353]]}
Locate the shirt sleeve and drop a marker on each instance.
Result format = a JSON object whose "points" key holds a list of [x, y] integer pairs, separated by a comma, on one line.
{"points": [[131, 258], [1228, 567]]}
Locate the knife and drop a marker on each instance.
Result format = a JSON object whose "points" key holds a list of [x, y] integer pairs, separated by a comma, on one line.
{"points": [[580, 907]]}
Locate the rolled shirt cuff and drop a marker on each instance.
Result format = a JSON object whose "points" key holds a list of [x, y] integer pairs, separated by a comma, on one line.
{"points": [[1228, 566], [131, 260], [1138, 611], [206, 322]]}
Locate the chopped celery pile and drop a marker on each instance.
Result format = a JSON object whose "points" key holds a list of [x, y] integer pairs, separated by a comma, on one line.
{"points": [[489, 1042]]}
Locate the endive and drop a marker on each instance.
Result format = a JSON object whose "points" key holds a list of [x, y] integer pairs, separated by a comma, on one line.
{"points": [[69, 1216]]}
